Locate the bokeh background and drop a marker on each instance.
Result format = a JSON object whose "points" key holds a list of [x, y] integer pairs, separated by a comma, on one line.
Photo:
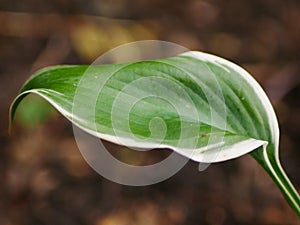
{"points": [[43, 177]]}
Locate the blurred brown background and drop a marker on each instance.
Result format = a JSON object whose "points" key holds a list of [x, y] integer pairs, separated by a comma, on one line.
{"points": [[44, 179]]}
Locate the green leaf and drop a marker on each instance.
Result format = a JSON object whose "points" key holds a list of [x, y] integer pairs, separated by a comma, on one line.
{"points": [[199, 105], [34, 110]]}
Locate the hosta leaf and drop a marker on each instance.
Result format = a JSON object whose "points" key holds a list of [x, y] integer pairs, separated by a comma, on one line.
{"points": [[199, 105]]}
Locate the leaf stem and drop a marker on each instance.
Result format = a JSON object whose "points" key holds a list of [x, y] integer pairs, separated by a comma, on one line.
{"points": [[273, 167]]}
